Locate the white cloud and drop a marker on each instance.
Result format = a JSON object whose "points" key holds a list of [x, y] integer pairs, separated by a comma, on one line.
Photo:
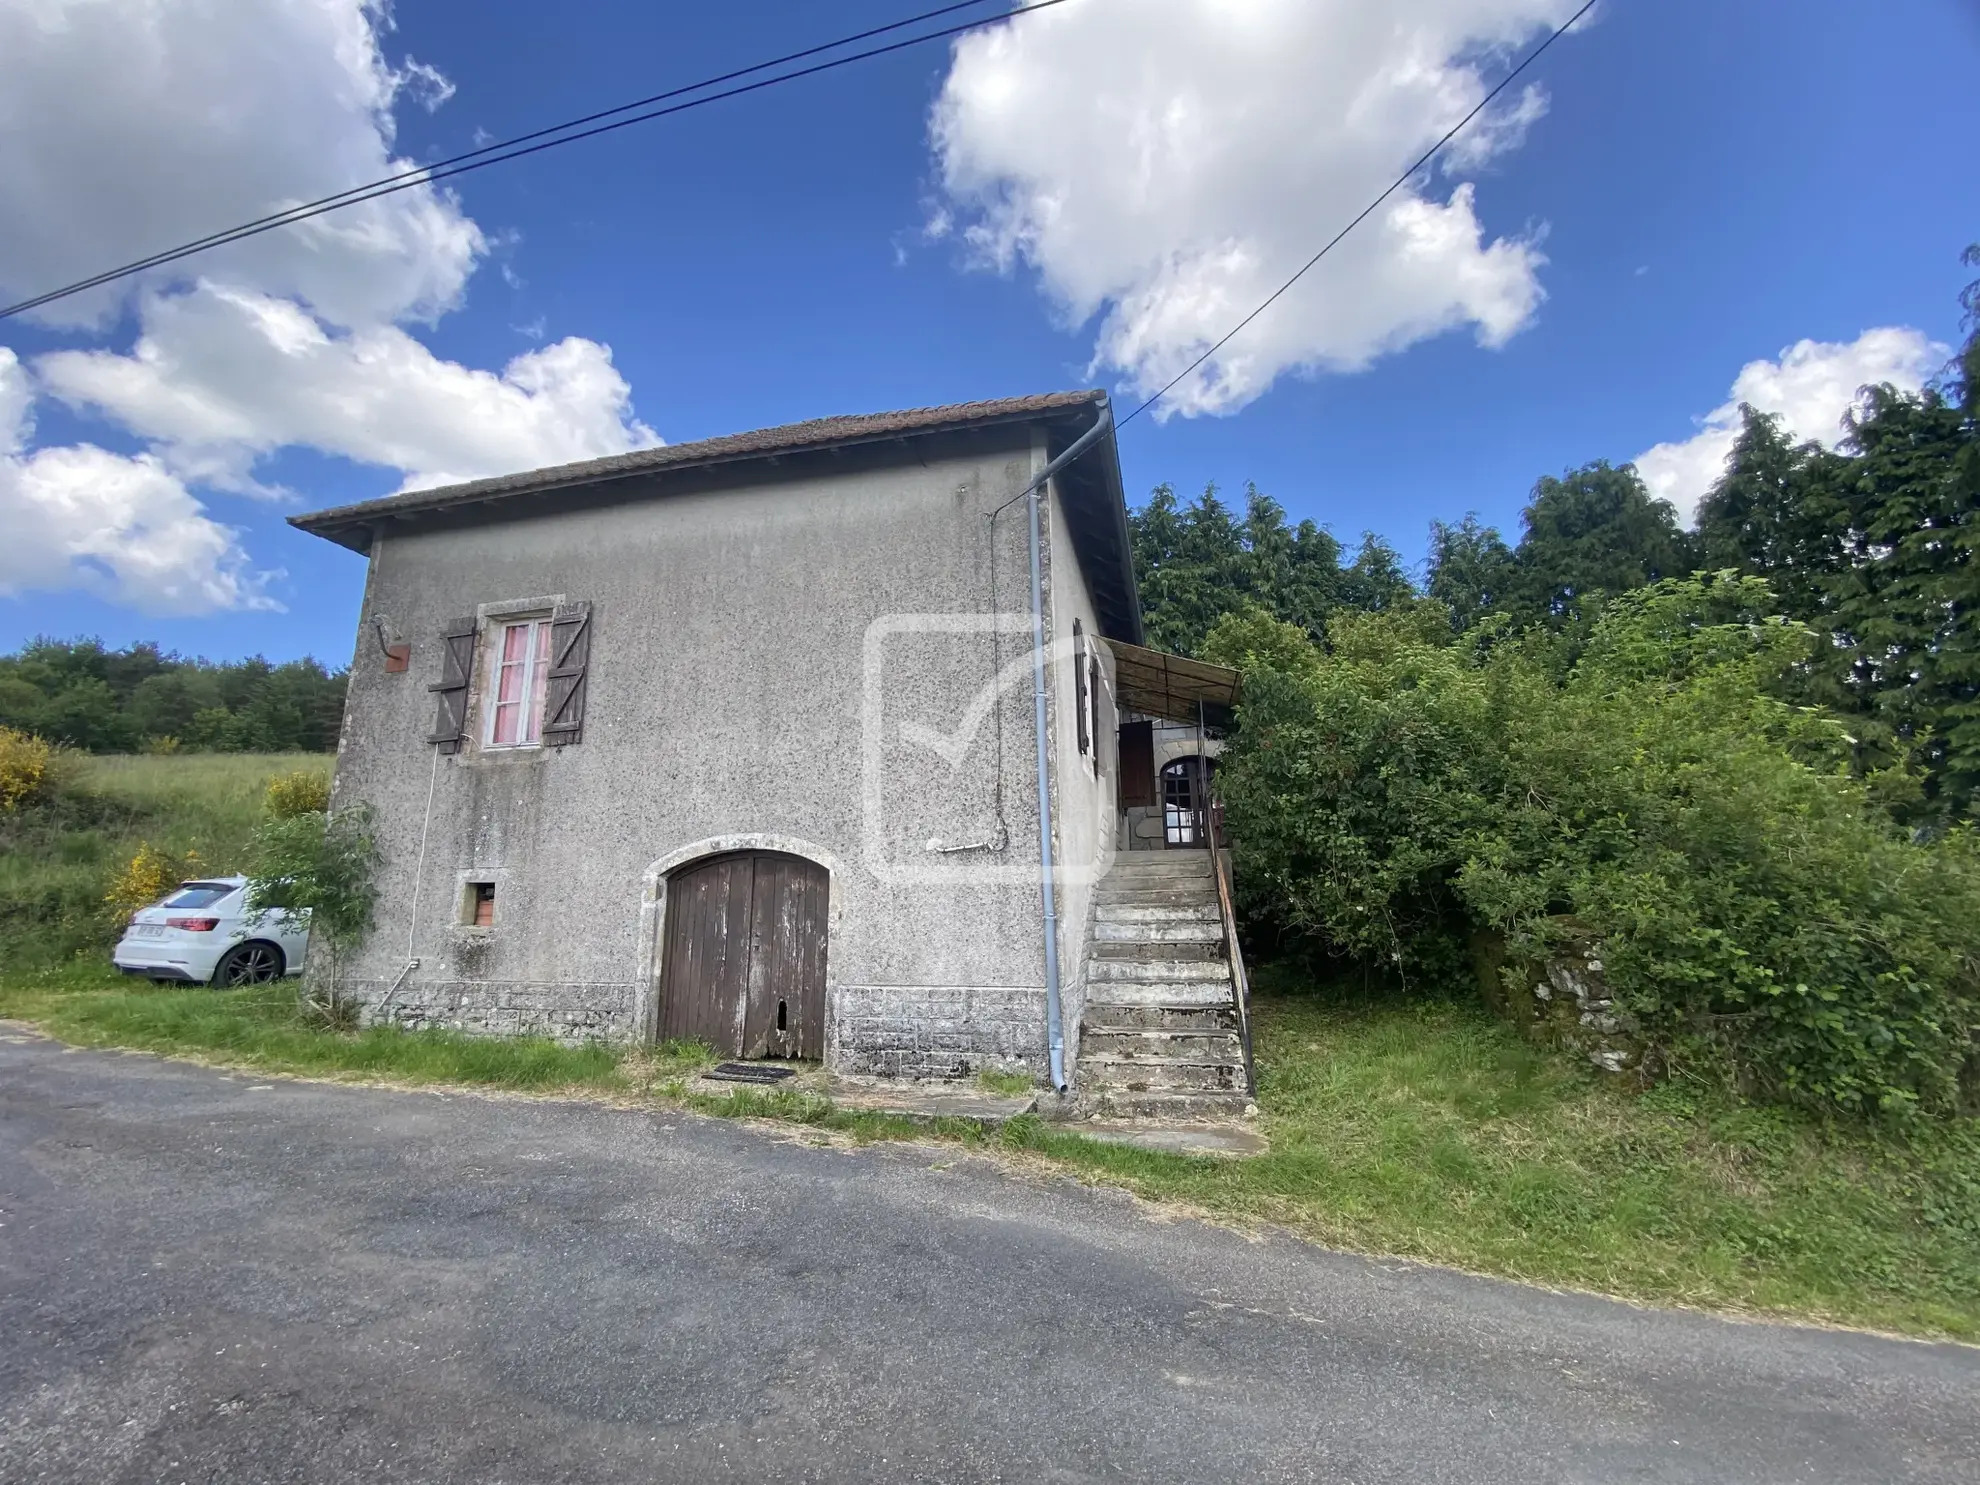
{"points": [[125, 528], [1165, 165], [221, 376], [16, 404], [129, 125], [1810, 388]]}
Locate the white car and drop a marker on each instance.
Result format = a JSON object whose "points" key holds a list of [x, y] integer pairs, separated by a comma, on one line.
{"points": [[204, 933]]}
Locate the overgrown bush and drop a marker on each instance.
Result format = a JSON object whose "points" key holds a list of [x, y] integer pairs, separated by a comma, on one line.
{"points": [[1397, 794], [306, 791], [324, 865], [148, 876], [23, 767]]}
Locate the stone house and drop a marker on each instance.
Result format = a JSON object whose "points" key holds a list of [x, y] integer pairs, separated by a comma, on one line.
{"points": [[815, 742]]}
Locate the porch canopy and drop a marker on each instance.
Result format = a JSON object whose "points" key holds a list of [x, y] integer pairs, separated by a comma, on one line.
{"points": [[1173, 687]]}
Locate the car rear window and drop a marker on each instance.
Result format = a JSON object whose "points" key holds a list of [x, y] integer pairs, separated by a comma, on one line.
{"points": [[198, 894]]}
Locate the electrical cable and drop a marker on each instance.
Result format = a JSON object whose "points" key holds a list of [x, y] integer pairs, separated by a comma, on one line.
{"points": [[537, 140], [1367, 211]]}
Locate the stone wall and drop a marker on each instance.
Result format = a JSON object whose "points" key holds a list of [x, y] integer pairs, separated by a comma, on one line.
{"points": [[937, 1031], [572, 1013], [1563, 1002], [1572, 1004]]}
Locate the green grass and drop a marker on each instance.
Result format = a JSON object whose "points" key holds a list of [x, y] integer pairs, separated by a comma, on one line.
{"points": [[264, 1027], [1429, 1132], [1008, 1084], [58, 858], [1435, 1132]]}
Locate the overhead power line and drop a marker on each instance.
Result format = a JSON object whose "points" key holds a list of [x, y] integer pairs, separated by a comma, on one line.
{"points": [[1369, 210], [568, 132]]}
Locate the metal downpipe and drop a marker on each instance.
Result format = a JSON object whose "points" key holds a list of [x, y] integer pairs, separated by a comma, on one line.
{"points": [[1055, 1032]]}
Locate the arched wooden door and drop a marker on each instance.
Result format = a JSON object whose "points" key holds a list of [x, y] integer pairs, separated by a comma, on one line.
{"points": [[743, 967]]}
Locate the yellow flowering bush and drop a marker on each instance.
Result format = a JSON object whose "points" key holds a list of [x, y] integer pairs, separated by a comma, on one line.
{"points": [[303, 792], [148, 876], [23, 767]]}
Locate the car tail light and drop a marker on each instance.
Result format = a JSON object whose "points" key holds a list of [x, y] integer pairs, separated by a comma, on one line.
{"points": [[193, 925]]}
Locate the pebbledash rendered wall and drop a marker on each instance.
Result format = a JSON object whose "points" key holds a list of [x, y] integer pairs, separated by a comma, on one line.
{"points": [[787, 666]]}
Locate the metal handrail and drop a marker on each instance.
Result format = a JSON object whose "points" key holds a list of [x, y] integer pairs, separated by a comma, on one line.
{"points": [[1240, 987]]}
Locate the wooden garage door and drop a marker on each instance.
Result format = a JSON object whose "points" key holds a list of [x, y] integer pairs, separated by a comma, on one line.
{"points": [[743, 968]]}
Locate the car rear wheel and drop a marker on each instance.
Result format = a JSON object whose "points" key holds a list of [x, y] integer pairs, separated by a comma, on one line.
{"points": [[249, 964]]}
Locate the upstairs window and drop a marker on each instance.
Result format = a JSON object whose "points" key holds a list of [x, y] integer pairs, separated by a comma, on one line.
{"points": [[522, 677], [531, 675]]}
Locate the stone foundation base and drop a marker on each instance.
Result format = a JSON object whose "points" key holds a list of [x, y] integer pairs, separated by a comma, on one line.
{"points": [[938, 1031], [564, 1012], [892, 1031]]}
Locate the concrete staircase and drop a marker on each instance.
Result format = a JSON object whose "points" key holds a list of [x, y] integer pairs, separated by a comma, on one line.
{"points": [[1159, 1034]]}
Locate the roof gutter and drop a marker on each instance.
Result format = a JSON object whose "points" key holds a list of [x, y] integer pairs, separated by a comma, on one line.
{"points": [[1055, 1031]]}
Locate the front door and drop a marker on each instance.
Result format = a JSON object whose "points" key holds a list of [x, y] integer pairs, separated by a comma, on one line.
{"points": [[1185, 795], [743, 967]]}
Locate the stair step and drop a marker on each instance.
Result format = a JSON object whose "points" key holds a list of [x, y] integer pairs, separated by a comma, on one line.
{"points": [[1143, 1046], [1161, 864], [1166, 994], [1204, 1019], [1145, 951], [1165, 1108], [1178, 911], [1193, 929], [1164, 897], [1159, 971], [1169, 1076]]}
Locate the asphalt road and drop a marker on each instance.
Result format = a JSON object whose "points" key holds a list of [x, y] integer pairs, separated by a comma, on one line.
{"points": [[205, 1277]]}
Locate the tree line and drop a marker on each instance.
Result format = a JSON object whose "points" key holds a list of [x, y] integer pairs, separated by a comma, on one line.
{"points": [[1717, 786], [82, 694], [1871, 545]]}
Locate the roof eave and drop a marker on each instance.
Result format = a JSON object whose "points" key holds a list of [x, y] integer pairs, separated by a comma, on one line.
{"points": [[329, 523]]}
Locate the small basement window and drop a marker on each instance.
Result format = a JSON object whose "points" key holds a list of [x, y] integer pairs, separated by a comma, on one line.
{"points": [[479, 909]]}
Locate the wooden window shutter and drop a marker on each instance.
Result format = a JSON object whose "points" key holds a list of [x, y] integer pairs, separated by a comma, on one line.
{"points": [[456, 669], [1093, 703], [1079, 685], [570, 657], [1138, 765]]}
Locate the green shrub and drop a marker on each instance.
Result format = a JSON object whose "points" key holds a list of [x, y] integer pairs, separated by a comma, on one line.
{"points": [[148, 876], [323, 865], [1398, 795], [306, 791]]}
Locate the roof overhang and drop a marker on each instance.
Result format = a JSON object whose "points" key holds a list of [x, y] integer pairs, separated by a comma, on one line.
{"points": [[1174, 687], [1090, 490]]}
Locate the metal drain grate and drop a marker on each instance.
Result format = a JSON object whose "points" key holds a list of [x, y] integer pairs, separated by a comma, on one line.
{"points": [[749, 1072]]}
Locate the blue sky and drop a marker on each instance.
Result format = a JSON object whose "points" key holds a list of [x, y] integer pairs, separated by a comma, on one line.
{"points": [[1709, 185]]}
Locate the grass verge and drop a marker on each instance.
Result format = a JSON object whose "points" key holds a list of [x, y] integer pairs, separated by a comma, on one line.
{"points": [[1430, 1132]]}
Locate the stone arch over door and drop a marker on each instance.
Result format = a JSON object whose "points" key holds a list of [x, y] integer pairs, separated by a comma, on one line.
{"points": [[653, 914], [1185, 747]]}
